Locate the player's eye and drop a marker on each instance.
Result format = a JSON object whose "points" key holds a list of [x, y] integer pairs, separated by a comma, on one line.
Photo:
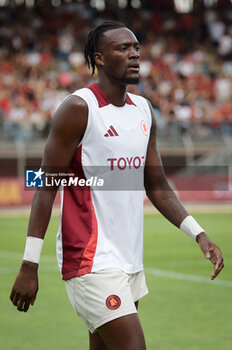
{"points": [[123, 48]]}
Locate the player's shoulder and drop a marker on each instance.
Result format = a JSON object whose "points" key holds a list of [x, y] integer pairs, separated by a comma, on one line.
{"points": [[70, 108], [73, 101], [83, 92], [138, 100], [87, 95]]}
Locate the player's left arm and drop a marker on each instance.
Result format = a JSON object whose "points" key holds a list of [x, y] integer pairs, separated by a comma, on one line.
{"points": [[165, 200]]}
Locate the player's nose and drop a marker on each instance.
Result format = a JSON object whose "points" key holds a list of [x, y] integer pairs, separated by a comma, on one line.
{"points": [[134, 53]]}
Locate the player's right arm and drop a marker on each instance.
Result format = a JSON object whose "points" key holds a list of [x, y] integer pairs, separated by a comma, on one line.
{"points": [[68, 126]]}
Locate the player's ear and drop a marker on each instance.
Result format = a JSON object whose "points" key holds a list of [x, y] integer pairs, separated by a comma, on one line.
{"points": [[99, 60]]}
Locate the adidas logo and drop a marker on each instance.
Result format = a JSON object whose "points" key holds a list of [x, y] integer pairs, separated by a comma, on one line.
{"points": [[111, 132]]}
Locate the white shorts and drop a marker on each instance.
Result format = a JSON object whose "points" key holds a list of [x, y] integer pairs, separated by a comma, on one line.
{"points": [[105, 295]]}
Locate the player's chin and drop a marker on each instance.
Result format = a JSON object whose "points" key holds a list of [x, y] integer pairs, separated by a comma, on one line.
{"points": [[132, 80]]}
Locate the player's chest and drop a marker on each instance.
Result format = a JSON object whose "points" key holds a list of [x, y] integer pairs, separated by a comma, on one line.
{"points": [[120, 128]]}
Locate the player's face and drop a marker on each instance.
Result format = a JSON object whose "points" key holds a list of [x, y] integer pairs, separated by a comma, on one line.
{"points": [[119, 56]]}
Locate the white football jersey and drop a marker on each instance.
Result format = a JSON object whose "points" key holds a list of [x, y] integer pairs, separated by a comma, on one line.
{"points": [[102, 226]]}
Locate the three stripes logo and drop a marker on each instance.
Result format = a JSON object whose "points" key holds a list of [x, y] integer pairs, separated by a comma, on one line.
{"points": [[111, 132]]}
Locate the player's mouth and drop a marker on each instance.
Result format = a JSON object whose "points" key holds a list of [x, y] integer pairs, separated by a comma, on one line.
{"points": [[134, 67]]}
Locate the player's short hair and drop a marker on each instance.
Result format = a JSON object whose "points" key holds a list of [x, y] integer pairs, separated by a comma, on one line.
{"points": [[94, 38]]}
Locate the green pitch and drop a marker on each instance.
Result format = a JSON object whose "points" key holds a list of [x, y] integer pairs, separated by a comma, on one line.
{"points": [[184, 310]]}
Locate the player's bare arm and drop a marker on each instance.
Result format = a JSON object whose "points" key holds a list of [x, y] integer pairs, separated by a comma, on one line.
{"points": [[165, 200], [67, 129]]}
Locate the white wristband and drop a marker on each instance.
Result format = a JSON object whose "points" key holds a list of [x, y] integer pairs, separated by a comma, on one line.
{"points": [[33, 249], [191, 227]]}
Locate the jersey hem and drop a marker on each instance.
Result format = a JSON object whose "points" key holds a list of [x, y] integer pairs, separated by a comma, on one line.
{"points": [[128, 271], [85, 271]]}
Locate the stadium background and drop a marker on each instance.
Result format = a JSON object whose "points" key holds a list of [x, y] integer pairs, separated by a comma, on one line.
{"points": [[186, 73]]}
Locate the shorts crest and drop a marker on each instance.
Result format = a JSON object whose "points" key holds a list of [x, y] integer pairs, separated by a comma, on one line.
{"points": [[113, 302]]}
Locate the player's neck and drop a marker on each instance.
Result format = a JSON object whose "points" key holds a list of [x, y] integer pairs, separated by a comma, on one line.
{"points": [[114, 92]]}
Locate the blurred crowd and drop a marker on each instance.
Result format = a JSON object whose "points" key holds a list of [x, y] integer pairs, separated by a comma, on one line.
{"points": [[186, 67]]}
